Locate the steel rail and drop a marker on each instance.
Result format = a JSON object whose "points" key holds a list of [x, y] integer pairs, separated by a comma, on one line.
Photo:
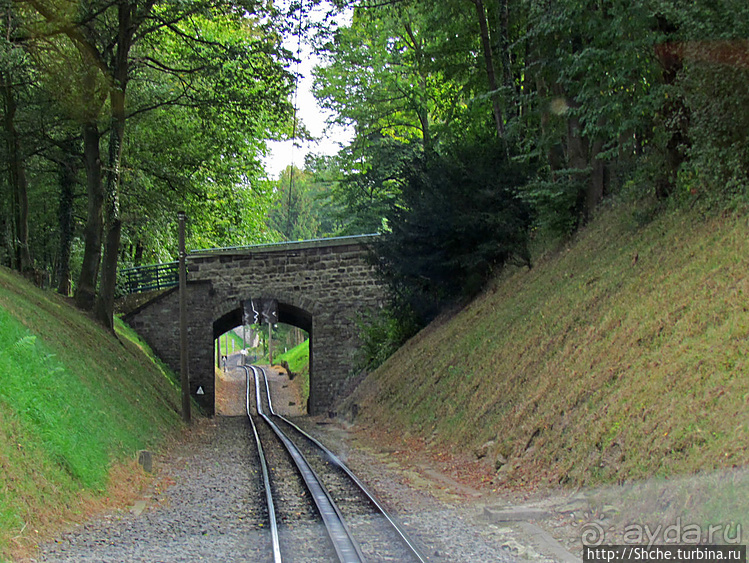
{"points": [[346, 548], [337, 462], [275, 541]]}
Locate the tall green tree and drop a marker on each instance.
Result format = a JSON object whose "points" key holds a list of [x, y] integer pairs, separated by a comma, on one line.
{"points": [[396, 79], [460, 221], [112, 39], [14, 77], [303, 206], [200, 150]]}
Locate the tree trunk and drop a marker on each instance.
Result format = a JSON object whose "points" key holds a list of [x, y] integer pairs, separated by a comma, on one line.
{"points": [[68, 174], [85, 293], [503, 45], [577, 161], [581, 155], [67, 182], [104, 308], [218, 351], [597, 183], [422, 111], [554, 153], [16, 179], [105, 300], [674, 115], [489, 62], [138, 255], [6, 258]]}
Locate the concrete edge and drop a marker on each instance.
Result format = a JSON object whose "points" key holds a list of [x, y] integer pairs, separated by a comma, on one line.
{"points": [[544, 538], [521, 517]]}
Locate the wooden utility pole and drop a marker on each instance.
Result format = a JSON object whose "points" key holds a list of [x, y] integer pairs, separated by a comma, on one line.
{"points": [[218, 352], [183, 364], [270, 343]]}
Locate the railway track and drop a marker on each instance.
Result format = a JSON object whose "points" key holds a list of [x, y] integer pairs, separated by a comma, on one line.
{"points": [[308, 487]]}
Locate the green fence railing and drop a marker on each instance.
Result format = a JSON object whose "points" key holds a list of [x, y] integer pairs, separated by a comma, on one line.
{"points": [[148, 278]]}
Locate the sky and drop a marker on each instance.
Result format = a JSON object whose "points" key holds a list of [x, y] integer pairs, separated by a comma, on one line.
{"points": [[329, 140]]}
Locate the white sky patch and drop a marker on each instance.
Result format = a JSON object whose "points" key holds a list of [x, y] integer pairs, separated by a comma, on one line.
{"points": [[329, 139]]}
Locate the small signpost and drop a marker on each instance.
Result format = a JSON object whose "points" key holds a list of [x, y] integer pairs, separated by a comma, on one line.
{"points": [[262, 310]]}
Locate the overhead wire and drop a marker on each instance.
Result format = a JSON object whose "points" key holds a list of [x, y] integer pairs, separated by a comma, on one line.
{"points": [[294, 123]]}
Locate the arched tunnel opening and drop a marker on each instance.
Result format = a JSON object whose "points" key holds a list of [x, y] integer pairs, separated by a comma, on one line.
{"points": [[289, 339]]}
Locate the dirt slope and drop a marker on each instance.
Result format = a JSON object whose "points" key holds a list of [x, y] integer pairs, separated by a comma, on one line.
{"points": [[619, 357]]}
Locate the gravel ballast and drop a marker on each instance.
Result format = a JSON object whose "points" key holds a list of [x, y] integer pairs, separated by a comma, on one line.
{"points": [[206, 503], [210, 513], [213, 511]]}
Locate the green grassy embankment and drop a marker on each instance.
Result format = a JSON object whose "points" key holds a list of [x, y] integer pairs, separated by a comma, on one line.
{"points": [[228, 339], [298, 359], [76, 404], [620, 357]]}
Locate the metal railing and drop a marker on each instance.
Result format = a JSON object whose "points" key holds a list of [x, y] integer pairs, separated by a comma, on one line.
{"points": [[148, 278]]}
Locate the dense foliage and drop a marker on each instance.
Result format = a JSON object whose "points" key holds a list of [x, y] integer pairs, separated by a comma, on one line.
{"points": [[517, 116], [303, 206], [589, 98], [458, 220], [119, 114]]}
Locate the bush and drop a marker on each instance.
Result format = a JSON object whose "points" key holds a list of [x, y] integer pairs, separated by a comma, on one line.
{"points": [[381, 334], [459, 221], [718, 165]]}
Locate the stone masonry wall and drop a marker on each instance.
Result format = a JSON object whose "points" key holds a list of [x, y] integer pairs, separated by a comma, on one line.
{"points": [[331, 280], [158, 324]]}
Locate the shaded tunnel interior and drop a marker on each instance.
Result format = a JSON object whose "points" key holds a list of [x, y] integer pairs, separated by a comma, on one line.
{"points": [[287, 314]]}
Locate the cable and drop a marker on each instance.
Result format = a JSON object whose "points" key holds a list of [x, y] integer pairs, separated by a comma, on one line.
{"points": [[294, 124]]}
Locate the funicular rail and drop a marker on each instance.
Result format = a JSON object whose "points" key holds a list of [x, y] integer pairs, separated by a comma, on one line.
{"points": [[360, 528], [272, 522], [346, 550]]}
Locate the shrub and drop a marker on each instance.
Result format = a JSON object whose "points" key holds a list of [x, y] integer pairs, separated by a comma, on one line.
{"points": [[459, 221]]}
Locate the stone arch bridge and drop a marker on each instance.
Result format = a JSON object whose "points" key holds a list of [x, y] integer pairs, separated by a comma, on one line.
{"points": [[320, 286]]}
